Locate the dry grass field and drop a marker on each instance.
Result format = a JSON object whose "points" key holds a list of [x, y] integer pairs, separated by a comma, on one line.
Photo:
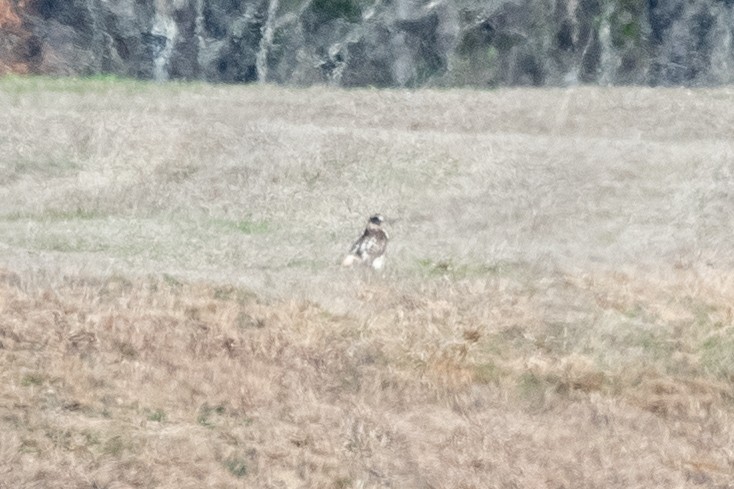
{"points": [[557, 309]]}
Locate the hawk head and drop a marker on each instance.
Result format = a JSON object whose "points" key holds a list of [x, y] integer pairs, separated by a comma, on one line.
{"points": [[377, 219]]}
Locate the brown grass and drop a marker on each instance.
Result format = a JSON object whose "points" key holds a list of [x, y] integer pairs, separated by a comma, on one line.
{"points": [[153, 383], [556, 312]]}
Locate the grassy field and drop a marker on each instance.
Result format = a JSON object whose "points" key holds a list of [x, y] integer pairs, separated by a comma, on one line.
{"points": [[557, 309]]}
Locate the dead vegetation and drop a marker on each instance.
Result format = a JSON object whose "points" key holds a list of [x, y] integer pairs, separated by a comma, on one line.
{"points": [[113, 383], [556, 311]]}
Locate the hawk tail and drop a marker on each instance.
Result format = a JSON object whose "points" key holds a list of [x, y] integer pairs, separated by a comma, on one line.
{"points": [[349, 260]]}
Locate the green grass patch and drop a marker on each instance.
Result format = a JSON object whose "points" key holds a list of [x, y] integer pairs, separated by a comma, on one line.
{"points": [[207, 412], [46, 167], [244, 226], [509, 339], [114, 446], [158, 416], [74, 214], [246, 321], [717, 356], [236, 466], [342, 483], [29, 446], [117, 89], [231, 293], [457, 270], [172, 282], [305, 264], [32, 379], [70, 244], [176, 173], [487, 373], [49, 215], [18, 84], [703, 313], [126, 349], [91, 438], [532, 389], [654, 344]]}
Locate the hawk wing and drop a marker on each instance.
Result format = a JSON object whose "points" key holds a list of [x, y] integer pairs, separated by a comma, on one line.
{"points": [[370, 245]]}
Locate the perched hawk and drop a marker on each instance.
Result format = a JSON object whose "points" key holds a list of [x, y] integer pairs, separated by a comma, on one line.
{"points": [[369, 249]]}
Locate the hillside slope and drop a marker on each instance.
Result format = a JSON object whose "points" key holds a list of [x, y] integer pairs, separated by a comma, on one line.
{"points": [[556, 310]]}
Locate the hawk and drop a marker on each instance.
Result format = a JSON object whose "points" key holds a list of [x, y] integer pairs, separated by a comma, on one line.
{"points": [[369, 249]]}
